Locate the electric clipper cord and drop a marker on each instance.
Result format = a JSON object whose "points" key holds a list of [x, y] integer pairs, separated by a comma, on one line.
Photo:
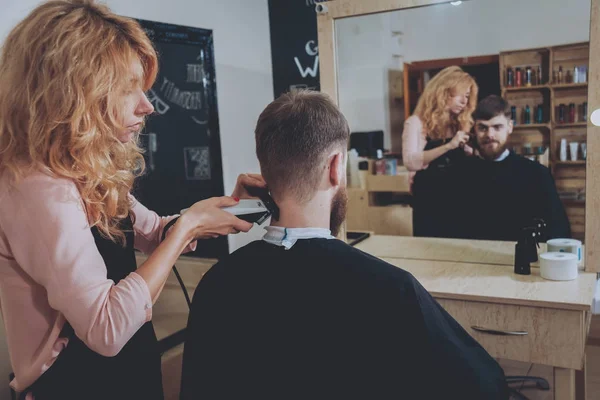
{"points": [[185, 292]]}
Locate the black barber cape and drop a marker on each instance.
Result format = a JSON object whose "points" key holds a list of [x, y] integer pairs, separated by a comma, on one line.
{"points": [[496, 199], [323, 320]]}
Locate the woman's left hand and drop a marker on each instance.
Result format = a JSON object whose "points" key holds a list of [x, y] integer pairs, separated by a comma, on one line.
{"points": [[468, 150], [247, 184]]}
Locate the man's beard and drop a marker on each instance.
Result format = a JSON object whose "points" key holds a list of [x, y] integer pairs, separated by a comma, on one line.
{"points": [[492, 155], [339, 206]]}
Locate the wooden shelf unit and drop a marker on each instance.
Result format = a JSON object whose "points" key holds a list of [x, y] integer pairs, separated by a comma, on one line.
{"points": [[568, 175]]}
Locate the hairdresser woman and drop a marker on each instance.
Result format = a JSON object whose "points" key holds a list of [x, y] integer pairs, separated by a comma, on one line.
{"points": [[434, 138], [77, 311]]}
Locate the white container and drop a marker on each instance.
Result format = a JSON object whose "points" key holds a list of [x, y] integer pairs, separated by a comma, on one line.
{"points": [[572, 246], [574, 147], [558, 266], [563, 149]]}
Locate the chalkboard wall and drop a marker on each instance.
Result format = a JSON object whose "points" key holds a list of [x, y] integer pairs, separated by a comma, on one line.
{"points": [[294, 46], [181, 140]]}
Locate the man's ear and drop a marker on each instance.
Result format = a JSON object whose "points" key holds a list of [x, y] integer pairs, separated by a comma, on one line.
{"points": [[510, 126], [337, 168]]}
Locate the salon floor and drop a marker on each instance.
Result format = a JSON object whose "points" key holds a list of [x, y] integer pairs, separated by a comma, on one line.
{"points": [[172, 370]]}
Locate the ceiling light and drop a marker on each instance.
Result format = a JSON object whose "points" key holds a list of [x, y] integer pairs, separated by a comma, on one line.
{"points": [[456, 3]]}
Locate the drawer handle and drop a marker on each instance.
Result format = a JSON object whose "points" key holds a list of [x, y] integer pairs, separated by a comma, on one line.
{"points": [[497, 332]]}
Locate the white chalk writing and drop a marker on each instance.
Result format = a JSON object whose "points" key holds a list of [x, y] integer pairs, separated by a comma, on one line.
{"points": [[195, 73], [308, 71], [312, 50], [197, 163], [183, 98], [159, 105], [199, 122]]}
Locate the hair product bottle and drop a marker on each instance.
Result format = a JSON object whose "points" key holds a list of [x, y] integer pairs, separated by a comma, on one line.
{"points": [[510, 78], [527, 114]]}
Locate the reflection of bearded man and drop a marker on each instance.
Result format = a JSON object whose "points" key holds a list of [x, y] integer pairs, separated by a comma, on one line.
{"points": [[492, 127]]}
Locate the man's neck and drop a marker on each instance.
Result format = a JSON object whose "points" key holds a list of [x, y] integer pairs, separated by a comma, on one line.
{"points": [[502, 155], [314, 214]]}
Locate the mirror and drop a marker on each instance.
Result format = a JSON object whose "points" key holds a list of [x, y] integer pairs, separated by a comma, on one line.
{"points": [[534, 54]]}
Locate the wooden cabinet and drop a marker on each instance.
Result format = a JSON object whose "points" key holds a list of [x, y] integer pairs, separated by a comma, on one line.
{"points": [[536, 335]]}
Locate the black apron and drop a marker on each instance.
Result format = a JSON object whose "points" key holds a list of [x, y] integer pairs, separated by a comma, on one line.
{"points": [[80, 373], [432, 189]]}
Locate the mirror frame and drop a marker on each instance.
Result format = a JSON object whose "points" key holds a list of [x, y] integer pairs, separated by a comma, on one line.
{"points": [[338, 9]]}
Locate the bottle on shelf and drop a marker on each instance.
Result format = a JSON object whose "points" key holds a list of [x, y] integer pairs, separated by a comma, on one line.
{"points": [[380, 163], [561, 114], [510, 78], [391, 166], [539, 114], [527, 115], [528, 80], [572, 112], [540, 80], [513, 114], [518, 78], [582, 74], [560, 74]]}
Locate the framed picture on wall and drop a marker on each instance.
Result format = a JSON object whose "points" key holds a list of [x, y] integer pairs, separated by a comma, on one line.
{"points": [[181, 140]]}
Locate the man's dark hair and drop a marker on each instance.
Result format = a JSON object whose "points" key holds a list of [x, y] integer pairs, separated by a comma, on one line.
{"points": [[293, 136], [491, 107]]}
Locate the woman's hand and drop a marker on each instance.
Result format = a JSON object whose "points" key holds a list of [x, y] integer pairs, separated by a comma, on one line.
{"points": [[248, 185], [206, 219], [460, 139], [468, 150]]}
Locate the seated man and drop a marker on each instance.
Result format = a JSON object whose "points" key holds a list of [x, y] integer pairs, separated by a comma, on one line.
{"points": [[500, 192], [303, 315]]}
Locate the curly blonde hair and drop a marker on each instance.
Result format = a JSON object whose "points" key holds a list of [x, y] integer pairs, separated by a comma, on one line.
{"points": [[432, 105], [63, 72]]}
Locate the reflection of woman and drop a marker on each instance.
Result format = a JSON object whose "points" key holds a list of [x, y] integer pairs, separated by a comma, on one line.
{"points": [[434, 137]]}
